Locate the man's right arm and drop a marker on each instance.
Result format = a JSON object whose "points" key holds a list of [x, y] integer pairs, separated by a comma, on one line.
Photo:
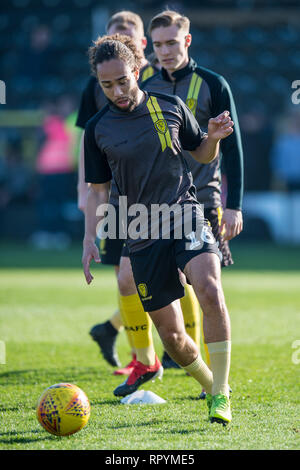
{"points": [[98, 194], [98, 174], [87, 109], [82, 186]]}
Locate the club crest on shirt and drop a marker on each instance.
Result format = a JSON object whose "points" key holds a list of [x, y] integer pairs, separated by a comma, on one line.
{"points": [[191, 103], [161, 126], [143, 290]]}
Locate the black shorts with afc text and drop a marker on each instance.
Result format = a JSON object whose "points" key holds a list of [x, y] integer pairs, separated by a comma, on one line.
{"points": [[155, 268], [214, 216]]}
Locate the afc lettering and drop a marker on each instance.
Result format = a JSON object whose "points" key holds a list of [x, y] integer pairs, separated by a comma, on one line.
{"points": [[136, 328]]}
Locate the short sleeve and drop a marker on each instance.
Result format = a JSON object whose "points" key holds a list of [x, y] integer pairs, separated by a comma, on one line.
{"points": [[190, 134], [88, 106], [96, 167]]}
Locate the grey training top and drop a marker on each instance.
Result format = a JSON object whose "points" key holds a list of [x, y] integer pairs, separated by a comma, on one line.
{"points": [[93, 99], [143, 151]]}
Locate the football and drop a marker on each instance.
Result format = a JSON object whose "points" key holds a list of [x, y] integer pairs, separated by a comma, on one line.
{"points": [[63, 409]]}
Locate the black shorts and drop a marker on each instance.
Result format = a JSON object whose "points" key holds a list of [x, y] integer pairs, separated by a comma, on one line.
{"points": [[155, 268], [111, 249], [125, 251], [214, 216]]}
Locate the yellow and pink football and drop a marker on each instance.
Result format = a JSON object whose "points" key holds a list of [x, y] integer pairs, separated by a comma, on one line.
{"points": [[63, 409]]}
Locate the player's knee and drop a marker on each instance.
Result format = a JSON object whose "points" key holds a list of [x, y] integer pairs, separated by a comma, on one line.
{"points": [[212, 295], [126, 283], [173, 339]]}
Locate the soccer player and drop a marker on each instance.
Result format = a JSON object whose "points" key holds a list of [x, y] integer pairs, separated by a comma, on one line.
{"points": [[138, 139], [137, 323], [206, 94], [92, 100]]}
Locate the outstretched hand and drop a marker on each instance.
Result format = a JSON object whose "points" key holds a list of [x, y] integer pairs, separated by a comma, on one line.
{"points": [[220, 127]]}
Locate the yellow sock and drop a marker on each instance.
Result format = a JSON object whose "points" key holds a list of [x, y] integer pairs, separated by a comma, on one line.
{"points": [[220, 353], [199, 370], [139, 324], [191, 314], [116, 321], [125, 323], [206, 352]]}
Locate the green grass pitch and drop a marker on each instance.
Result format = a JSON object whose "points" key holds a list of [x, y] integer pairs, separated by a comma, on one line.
{"points": [[46, 311]]}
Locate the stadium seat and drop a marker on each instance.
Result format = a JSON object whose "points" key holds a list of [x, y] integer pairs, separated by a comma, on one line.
{"points": [[267, 59], [61, 22], [51, 3], [288, 34], [82, 3], [295, 58], [223, 35], [235, 59], [4, 23]]}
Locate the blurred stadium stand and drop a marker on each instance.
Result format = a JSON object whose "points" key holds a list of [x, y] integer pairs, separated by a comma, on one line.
{"points": [[253, 43]]}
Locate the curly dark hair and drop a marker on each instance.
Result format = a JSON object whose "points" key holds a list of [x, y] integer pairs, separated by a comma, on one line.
{"points": [[116, 46]]}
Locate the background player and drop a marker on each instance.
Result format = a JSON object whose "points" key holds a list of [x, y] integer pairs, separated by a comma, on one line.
{"points": [[207, 94]]}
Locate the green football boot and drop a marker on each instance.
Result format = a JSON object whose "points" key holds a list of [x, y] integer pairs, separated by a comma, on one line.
{"points": [[208, 402], [220, 410]]}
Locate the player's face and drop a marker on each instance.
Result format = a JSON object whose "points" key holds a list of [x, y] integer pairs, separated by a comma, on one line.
{"points": [[171, 45], [129, 29], [119, 83]]}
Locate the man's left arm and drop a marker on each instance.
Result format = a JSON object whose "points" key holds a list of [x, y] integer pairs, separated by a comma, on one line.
{"points": [[219, 128], [204, 147], [232, 157]]}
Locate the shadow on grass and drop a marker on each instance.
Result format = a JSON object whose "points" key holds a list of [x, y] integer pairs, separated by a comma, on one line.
{"points": [[137, 425], [190, 397], [180, 431], [14, 439], [17, 372], [4, 408], [105, 402], [47, 376], [158, 430], [26, 377]]}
